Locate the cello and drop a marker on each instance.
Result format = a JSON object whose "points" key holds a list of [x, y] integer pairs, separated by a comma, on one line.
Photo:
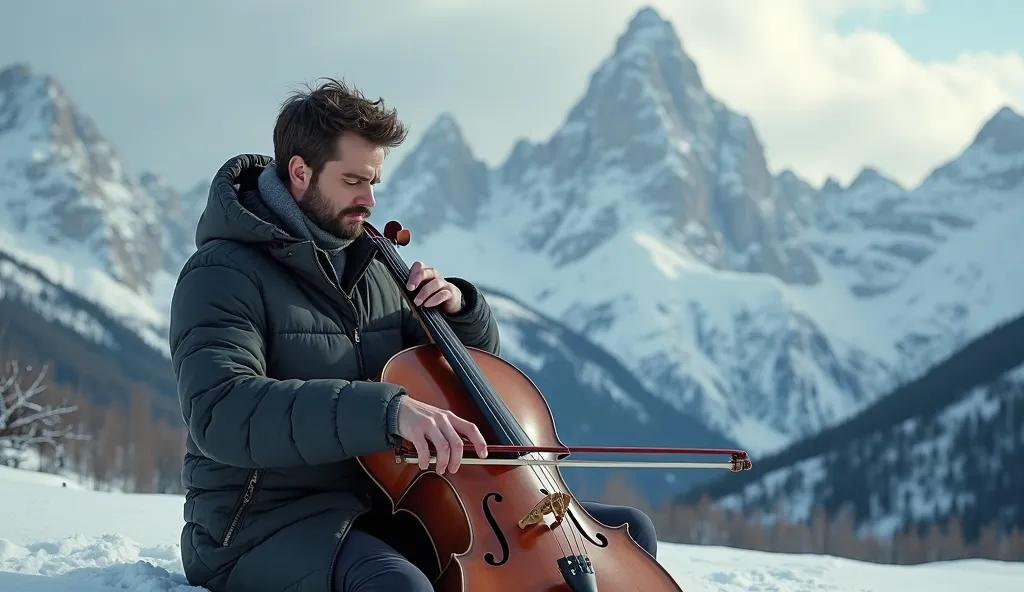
{"points": [[507, 522]]}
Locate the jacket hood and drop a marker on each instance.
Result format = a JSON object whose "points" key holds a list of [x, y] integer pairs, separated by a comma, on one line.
{"points": [[234, 210]]}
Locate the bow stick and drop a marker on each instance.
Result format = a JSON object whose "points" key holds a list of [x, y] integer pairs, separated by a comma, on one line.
{"points": [[738, 459]]}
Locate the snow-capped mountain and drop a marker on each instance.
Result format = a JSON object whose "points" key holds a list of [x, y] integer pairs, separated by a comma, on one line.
{"points": [[68, 207], [941, 447], [650, 223], [594, 399], [63, 190], [103, 295]]}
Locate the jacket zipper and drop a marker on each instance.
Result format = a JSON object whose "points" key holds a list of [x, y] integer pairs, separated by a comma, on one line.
{"points": [[251, 487], [356, 340], [354, 335]]}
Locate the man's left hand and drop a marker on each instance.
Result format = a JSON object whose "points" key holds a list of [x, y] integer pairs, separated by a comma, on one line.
{"points": [[434, 290]]}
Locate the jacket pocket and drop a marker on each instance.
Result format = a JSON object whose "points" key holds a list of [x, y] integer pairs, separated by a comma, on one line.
{"points": [[252, 485]]}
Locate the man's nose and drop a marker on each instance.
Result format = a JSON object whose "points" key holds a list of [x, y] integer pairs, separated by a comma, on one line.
{"points": [[365, 198]]}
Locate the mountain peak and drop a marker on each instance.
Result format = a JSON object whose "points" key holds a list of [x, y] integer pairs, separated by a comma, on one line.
{"points": [[1003, 133], [66, 185], [648, 89], [831, 186], [646, 126], [14, 75], [441, 147], [441, 142], [31, 97], [871, 177], [35, 104], [647, 28], [651, 42], [440, 181], [444, 131], [993, 158], [22, 81]]}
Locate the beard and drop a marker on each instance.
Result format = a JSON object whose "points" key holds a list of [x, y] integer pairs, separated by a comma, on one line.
{"points": [[318, 208]]}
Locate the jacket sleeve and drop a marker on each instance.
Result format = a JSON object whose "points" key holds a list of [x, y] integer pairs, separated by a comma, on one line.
{"points": [[238, 416], [474, 325]]}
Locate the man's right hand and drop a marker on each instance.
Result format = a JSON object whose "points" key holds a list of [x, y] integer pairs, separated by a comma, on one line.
{"points": [[419, 422]]}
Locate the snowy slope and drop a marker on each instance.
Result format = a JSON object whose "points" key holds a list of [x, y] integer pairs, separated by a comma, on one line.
{"points": [[70, 540], [945, 446], [765, 307], [38, 279], [961, 462]]}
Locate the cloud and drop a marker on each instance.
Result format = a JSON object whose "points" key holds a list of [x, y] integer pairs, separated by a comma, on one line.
{"points": [[823, 102], [828, 103]]}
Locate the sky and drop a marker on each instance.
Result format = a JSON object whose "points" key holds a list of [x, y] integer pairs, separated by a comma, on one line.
{"points": [[832, 86]]}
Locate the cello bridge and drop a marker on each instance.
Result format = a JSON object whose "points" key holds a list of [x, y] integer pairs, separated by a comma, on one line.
{"points": [[553, 503]]}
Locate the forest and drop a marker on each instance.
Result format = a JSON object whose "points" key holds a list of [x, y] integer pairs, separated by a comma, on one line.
{"points": [[49, 426], [704, 523]]}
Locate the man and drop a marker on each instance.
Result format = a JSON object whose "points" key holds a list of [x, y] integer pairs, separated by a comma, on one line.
{"points": [[279, 324]]}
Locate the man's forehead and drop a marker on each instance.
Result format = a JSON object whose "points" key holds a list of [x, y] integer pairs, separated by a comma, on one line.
{"points": [[365, 171]]}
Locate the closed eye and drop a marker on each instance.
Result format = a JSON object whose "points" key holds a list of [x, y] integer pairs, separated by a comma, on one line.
{"points": [[354, 179]]}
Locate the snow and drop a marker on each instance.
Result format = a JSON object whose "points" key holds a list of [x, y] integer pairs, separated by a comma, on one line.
{"points": [[147, 314], [76, 540]]}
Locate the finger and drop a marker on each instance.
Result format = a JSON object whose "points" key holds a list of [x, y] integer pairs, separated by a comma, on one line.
{"points": [[418, 273], [438, 297], [414, 271], [472, 432], [429, 289], [425, 274], [455, 458], [441, 447], [422, 450]]}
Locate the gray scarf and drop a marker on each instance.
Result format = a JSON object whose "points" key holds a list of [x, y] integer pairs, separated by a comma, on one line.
{"points": [[280, 201]]}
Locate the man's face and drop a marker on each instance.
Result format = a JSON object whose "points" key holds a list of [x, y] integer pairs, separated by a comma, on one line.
{"points": [[341, 196]]}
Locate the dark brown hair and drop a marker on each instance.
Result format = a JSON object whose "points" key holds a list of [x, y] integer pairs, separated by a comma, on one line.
{"points": [[311, 121]]}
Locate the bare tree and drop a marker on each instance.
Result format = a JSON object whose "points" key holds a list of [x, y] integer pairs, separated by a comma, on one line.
{"points": [[26, 423]]}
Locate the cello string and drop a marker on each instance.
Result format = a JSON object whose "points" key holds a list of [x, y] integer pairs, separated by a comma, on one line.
{"points": [[542, 473], [443, 331]]}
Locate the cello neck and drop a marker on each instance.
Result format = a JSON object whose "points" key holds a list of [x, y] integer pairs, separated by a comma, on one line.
{"points": [[506, 429]]}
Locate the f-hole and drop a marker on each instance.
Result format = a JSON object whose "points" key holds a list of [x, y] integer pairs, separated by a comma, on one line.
{"points": [[602, 541], [489, 557]]}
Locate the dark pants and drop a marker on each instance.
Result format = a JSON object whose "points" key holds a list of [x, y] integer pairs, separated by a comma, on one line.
{"points": [[367, 564]]}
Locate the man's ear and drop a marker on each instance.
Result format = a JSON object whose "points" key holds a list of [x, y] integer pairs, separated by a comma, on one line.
{"points": [[299, 174]]}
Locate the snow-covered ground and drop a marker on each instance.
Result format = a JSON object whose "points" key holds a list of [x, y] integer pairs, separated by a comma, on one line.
{"points": [[69, 539]]}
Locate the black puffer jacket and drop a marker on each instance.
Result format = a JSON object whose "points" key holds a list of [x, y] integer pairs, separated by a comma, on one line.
{"points": [[273, 363]]}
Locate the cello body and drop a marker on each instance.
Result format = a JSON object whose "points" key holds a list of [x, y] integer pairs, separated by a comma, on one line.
{"points": [[472, 517], [497, 527]]}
